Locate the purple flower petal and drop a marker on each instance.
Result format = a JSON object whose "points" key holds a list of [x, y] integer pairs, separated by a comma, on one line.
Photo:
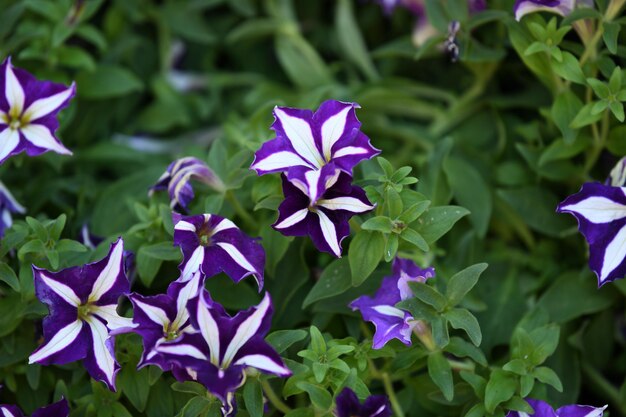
{"points": [[543, 409], [58, 409], [8, 205], [524, 7], [348, 405]]}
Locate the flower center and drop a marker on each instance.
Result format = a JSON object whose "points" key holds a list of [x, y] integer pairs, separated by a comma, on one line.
{"points": [[204, 235], [170, 332], [85, 310], [15, 119]]}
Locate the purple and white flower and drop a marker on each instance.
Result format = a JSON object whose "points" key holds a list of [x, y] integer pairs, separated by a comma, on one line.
{"points": [[57, 409], [213, 244], [8, 205], [227, 346], [312, 140], [601, 214], [163, 319], [390, 321], [561, 7], [348, 405], [28, 110], [83, 317], [319, 203], [617, 176], [177, 180], [543, 409]]}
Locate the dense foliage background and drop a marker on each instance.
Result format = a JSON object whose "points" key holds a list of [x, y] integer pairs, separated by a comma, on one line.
{"points": [[492, 133]]}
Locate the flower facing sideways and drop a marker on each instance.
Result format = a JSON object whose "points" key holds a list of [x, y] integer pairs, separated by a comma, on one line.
{"points": [[561, 7], [8, 205], [177, 180], [312, 140], [28, 110], [390, 321], [319, 203], [163, 318], [348, 405], [213, 244], [57, 409], [543, 409], [83, 319], [227, 346]]}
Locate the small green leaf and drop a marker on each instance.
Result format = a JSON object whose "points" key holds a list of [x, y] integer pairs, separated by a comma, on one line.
{"points": [[319, 396], [610, 35], [548, 376], [253, 397], [379, 224], [441, 373], [415, 238], [318, 344], [281, 340], [335, 280], [500, 388], [8, 276], [391, 247], [462, 282], [428, 295], [437, 221], [460, 318]]}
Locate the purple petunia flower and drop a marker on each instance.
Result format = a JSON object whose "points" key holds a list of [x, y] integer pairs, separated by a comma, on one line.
{"points": [[176, 180], [227, 346], [214, 244], [348, 405], [561, 7], [28, 110], [390, 321], [57, 409], [163, 319], [543, 409], [601, 214], [8, 205], [312, 140], [319, 203], [617, 176], [83, 314]]}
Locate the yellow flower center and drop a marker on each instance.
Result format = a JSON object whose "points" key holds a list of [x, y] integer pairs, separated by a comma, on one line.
{"points": [[85, 311]]}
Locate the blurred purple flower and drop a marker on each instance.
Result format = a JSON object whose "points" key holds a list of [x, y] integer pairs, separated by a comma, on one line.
{"points": [[57, 409], [561, 7], [8, 205], [348, 405], [28, 110], [543, 409]]}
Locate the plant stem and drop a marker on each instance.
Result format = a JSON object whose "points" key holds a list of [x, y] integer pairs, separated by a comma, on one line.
{"points": [[241, 212], [395, 405], [273, 398]]}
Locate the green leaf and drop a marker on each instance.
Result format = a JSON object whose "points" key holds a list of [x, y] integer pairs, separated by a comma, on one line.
{"points": [[318, 344], [351, 40], [281, 340], [470, 190], [320, 398], [415, 238], [8, 276], [135, 386], [599, 88], [477, 410], [107, 81], [253, 397], [40, 231], [500, 388], [391, 247], [379, 224], [460, 318], [335, 280], [189, 387], [518, 404], [560, 149], [617, 109], [564, 109], [610, 34], [548, 376], [615, 82], [428, 295], [365, 252], [461, 348], [462, 282], [195, 407], [585, 117], [164, 251], [301, 61], [437, 221], [413, 212], [568, 68], [440, 372]]}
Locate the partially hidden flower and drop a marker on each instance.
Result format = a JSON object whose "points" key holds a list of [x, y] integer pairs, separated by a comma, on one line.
{"points": [[83, 318], [28, 110], [213, 244], [57, 409], [390, 321], [561, 7], [312, 140], [163, 318], [227, 347], [617, 176], [543, 409], [8, 206], [348, 405], [601, 214], [177, 180], [319, 203]]}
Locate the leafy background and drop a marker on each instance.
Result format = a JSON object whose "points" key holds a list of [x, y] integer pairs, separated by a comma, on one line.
{"points": [[495, 140]]}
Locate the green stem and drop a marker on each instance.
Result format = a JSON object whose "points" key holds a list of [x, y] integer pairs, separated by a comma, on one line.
{"points": [[241, 212], [395, 405], [598, 143], [603, 387], [273, 398]]}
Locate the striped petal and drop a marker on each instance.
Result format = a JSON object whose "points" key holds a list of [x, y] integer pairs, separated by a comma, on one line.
{"points": [[9, 139], [47, 105], [66, 293], [350, 204], [100, 362], [332, 130], [279, 161], [329, 232], [62, 340], [209, 329], [263, 363], [299, 133], [293, 219], [247, 329], [41, 137], [154, 313], [13, 90], [111, 272]]}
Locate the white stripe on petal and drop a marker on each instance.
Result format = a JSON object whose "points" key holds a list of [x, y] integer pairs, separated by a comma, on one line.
{"points": [[300, 135], [45, 106], [60, 341], [349, 150], [182, 350], [295, 218], [225, 224], [155, 314], [6, 412], [104, 360], [12, 201], [389, 311], [596, 412], [189, 290], [332, 129], [210, 331], [114, 320], [185, 226], [614, 254], [598, 209], [193, 264], [40, 136], [107, 277], [263, 363], [236, 256], [61, 290], [13, 91], [312, 179], [9, 138], [345, 203], [246, 330], [280, 160], [329, 232]]}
